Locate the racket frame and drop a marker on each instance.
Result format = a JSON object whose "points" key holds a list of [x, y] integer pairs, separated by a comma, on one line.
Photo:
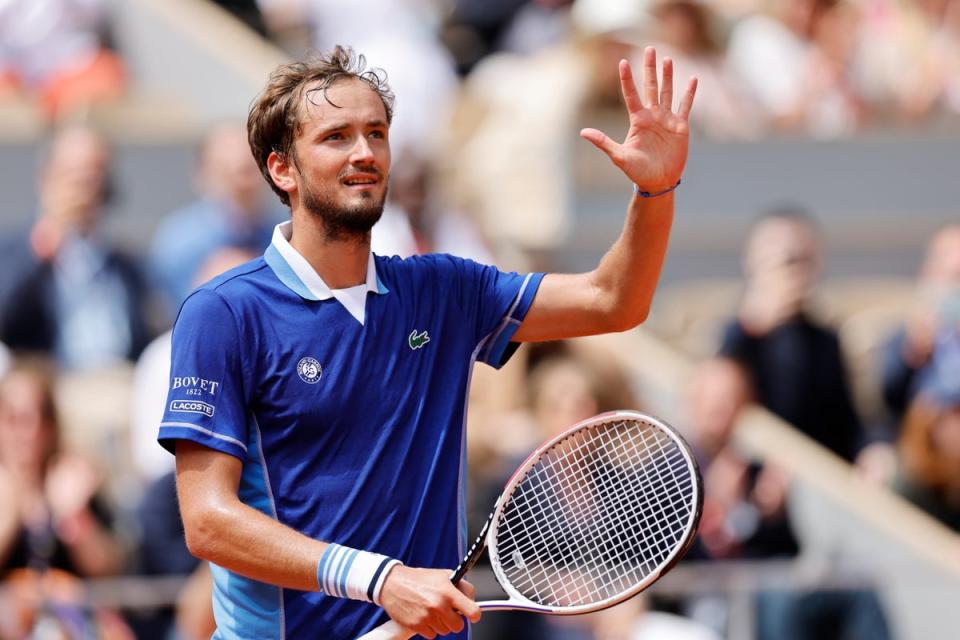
{"points": [[487, 536]]}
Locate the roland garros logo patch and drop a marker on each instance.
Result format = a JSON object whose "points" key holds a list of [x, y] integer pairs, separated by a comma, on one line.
{"points": [[309, 370]]}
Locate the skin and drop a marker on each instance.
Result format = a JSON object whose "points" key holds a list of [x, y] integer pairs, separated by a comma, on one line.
{"points": [[338, 144]]}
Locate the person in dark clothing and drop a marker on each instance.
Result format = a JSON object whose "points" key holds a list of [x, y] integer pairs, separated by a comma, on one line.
{"points": [[745, 517], [51, 512], [66, 291], [796, 364]]}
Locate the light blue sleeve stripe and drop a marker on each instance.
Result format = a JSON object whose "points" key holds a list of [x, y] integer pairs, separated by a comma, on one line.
{"points": [[345, 571]]}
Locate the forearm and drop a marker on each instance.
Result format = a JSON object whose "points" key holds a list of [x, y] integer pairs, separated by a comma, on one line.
{"points": [[615, 296], [627, 276], [239, 538]]}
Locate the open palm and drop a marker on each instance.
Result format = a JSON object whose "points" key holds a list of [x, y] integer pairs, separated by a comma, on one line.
{"points": [[655, 150]]}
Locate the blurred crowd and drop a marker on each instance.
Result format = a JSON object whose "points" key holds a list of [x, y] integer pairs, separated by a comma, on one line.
{"points": [[85, 491], [824, 68]]}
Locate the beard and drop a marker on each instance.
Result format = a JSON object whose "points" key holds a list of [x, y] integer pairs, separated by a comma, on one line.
{"points": [[343, 222]]}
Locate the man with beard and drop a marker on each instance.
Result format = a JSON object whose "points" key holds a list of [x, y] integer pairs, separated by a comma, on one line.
{"points": [[318, 393]]}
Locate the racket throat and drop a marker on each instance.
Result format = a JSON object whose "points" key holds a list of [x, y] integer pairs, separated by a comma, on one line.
{"points": [[475, 550]]}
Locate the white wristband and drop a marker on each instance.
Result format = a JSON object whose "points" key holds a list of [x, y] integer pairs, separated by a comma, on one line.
{"points": [[350, 573]]}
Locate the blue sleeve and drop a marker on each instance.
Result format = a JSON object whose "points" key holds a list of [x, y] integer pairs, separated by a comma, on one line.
{"points": [[205, 401], [497, 301]]}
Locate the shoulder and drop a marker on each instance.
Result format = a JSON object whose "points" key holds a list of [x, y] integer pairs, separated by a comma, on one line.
{"points": [[426, 265], [234, 281], [231, 289]]}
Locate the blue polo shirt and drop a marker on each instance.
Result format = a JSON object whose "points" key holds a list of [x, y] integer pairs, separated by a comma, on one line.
{"points": [[347, 409]]}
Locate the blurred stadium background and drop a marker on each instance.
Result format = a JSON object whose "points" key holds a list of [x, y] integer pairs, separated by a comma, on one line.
{"points": [[846, 109]]}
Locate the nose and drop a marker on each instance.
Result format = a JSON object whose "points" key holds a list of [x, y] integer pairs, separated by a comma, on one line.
{"points": [[361, 153]]}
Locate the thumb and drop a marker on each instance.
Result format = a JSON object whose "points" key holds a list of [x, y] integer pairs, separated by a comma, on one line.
{"points": [[601, 141]]}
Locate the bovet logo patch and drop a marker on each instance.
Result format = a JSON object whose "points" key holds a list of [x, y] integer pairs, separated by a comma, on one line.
{"points": [[192, 406]]}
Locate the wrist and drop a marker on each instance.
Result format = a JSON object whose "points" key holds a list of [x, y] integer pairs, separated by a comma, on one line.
{"points": [[351, 573], [661, 191]]}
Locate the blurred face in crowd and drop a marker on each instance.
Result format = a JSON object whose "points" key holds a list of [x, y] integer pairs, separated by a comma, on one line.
{"points": [[683, 25], [341, 157], [228, 170], [26, 426], [783, 255], [73, 180], [802, 15], [718, 390], [563, 395], [940, 276]]}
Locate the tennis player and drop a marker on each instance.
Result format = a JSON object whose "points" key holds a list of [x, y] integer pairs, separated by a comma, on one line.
{"points": [[317, 394]]}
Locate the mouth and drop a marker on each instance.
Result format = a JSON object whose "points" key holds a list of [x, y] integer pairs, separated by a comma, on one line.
{"points": [[361, 181]]}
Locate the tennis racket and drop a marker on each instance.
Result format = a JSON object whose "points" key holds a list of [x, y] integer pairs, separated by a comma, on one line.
{"points": [[590, 519]]}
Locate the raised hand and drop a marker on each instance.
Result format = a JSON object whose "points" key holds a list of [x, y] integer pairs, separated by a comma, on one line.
{"points": [[655, 150]]}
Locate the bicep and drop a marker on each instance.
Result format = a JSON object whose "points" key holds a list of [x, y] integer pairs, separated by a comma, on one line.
{"points": [[566, 306]]}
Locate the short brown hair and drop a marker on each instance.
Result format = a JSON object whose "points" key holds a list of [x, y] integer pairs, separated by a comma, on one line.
{"points": [[274, 118]]}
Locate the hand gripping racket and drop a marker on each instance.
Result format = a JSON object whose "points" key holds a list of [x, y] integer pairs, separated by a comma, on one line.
{"points": [[591, 518]]}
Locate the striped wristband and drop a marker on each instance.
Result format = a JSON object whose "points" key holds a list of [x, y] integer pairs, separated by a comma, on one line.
{"points": [[350, 573]]}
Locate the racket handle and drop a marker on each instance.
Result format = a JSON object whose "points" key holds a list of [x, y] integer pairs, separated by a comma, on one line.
{"points": [[388, 631]]}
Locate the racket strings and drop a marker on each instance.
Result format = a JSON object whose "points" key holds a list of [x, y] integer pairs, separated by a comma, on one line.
{"points": [[598, 513], [607, 532]]}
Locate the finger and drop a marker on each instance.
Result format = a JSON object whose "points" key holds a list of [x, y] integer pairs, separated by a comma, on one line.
{"points": [[628, 88], [687, 102], [601, 141], [452, 621], [650, 97], [467, 589], [466, 606], [666, 90]]}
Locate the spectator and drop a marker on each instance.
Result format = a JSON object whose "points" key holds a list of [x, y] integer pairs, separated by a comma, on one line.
{"points": [[517, 114], [909, 351], [68, 292], [395, 35], [477, 28], [51, 513], [687, 32], [930, 440], [795, 363], [231, 212], [416, 219], [921, 36], [745, 517], [53, 51], [745, 503], [795, 64]]}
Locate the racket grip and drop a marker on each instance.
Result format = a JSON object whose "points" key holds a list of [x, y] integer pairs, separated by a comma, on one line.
{"points": [[388, 631]]}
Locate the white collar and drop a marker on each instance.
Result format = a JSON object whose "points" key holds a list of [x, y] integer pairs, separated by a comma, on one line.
{"points": [[296, 273]]}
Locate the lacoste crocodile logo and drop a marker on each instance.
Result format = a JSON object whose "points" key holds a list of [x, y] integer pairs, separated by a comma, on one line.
{"points": [[417, 340]]}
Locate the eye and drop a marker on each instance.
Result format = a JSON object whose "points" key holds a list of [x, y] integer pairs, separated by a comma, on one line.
{"points": [[379, 134]]}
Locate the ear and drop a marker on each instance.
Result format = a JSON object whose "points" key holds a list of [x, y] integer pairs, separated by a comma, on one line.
{"points": [[282, 172]]}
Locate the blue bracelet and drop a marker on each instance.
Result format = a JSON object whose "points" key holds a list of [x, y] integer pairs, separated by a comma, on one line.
{"points": [[647, 194]]}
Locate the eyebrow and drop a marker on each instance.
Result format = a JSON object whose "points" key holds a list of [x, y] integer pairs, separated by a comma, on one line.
{"points": [[340, 126]]}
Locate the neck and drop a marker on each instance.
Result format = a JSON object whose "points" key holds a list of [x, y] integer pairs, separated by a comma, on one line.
{"points": [[340, 260]]}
